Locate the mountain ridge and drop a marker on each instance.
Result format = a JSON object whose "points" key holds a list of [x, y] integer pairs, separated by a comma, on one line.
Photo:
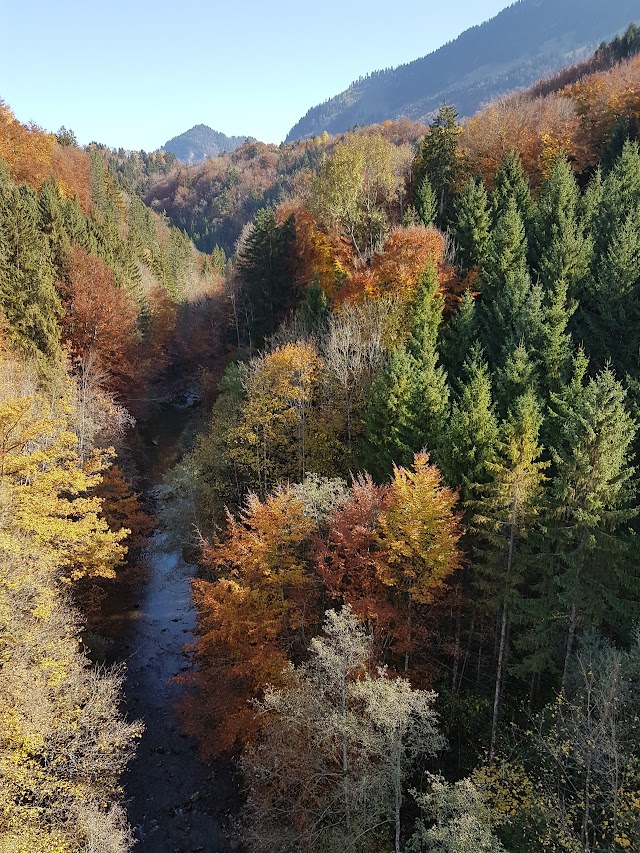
{"points": [[524, 42], [200, 142]]}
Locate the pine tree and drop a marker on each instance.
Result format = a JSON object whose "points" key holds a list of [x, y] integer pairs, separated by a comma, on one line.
{"points": [[426, 202], [470, 225], [472, 430], [593, 497], [28, 297], [437, 160], [264, 267], [503, 518], [511, 183]]}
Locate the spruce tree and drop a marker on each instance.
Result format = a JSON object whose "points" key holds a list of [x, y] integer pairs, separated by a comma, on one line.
{"points": [[426, 202], [592, 500], [470, 226], [431, 398], [503, 518], [28, 297], [510, 309], [391, 432], [560, 257], [264, 267], [437, 160], [511, 183], [472, 430], [460, 336]]}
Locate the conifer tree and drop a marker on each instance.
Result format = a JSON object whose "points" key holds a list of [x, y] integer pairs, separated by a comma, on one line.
{"points": [[426, 202], [264, 267], [511, 183], [471, 225], [472, 430], [28, 297], [460, 336], [611, 313], [437, 159], [592, 497], [503, 518], [391, 431], [431, 389], [511, 308]]}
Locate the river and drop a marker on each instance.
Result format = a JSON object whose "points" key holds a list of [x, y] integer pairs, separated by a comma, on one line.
{"points": [[175, 802]]}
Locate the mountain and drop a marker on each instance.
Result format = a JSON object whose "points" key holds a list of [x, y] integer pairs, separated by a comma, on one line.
{"points": [[518, 46], [201, 142]]}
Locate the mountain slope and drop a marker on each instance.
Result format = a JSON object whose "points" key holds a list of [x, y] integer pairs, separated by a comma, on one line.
{"points": [[201, 142], [521, 44]]}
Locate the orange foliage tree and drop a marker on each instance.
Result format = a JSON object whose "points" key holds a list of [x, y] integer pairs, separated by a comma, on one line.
{"points": [[537, 128], [100, 323], [252, 615], [389, 551]]}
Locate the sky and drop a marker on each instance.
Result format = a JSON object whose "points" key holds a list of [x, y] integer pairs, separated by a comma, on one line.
{"points": [[135, 74]]}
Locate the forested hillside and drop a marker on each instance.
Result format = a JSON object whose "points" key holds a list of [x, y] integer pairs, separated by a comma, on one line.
{"points": [[94, 289], [419, 595], [413, 497], [526, 41], [201, 142]]}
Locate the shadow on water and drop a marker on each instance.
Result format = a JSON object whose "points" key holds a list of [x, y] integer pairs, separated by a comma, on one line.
{"points": [[174, 801]]}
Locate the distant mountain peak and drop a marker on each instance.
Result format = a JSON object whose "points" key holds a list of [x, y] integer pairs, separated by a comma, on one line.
{"points": [[201, 142], [524, 42]]}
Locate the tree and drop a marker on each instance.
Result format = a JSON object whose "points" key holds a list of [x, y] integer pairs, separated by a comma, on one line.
{"points": [[337, 744], [503, 518], [472, 430], [253, 612], [437, 161], [28, 298], [99, 325], [454, 819], [357, 188], [511, 184], [418, 534], [510, 308], [352, 350], [470, 225], [273, 432], [561, 255], [426, 202], [265, 269], [392, 430], [592, 497]]}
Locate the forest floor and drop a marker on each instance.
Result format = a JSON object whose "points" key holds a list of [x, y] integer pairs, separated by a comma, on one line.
{"points": [[176, 803]]}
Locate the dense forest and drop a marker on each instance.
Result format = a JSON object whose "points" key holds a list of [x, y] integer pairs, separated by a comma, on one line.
{"points": [[413, 498]]}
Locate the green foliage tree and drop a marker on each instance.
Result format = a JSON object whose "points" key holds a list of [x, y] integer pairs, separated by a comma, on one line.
{"points": [[511, 183], [437, 160], [264, 268], [503, 518], [28, 297], [470, 225]]}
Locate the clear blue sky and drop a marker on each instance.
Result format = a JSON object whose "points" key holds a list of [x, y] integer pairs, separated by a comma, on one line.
{"points": [[134, 74]]}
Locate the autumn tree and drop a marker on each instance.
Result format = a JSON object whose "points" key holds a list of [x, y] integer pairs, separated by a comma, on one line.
{"points": [[336, 747], [359, 187], [253, 610]]}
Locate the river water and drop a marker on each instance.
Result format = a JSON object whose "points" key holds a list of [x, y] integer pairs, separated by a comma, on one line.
{"points": [[175, 802]]}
